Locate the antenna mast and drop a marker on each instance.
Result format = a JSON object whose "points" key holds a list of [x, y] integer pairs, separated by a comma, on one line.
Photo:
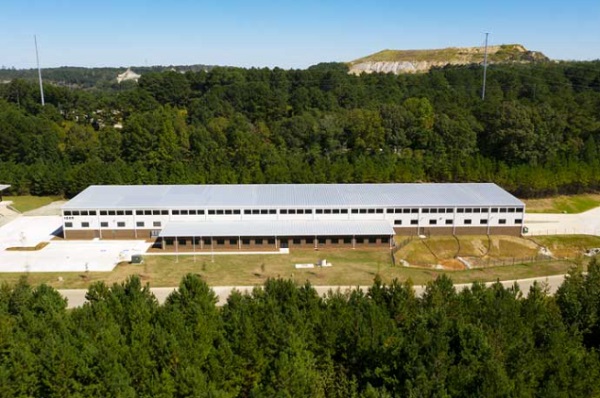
{"points": [[484, 66], [37, 58]]}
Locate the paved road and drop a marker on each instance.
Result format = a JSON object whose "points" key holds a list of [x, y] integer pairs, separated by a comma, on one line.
{"points": [[76, 297]]}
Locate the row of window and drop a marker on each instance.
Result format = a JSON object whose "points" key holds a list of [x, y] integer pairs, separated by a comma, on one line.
{"points": [[120, 224], [193, 212], [450, 221], [271, 241]]}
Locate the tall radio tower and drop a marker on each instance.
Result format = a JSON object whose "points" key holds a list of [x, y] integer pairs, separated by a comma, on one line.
{"points": [[37, 58]]}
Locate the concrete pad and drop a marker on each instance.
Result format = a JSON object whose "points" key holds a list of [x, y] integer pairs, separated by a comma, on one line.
{"points": [[29, 231], [587, 223], [72, 256]]}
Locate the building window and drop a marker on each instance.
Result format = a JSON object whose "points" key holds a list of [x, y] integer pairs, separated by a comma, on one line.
{"points": [[137, 213], [300, 211], [68, 225], [388, 211], [245, 241], [468, 210], [519, 210], [502, 210], [448, 221], [139, 224], [360, 240], [327, 211], [291, 211], [271, 241], [121, 224], [511, 210], [272, 211], [307, 211], [336, 211], [424, 210], [220, 212], [467, 222], [247, 211], [112, 213], [379, 211], [502, 221], [120, 212], [432, 222], [156, 224], [103, 212], [175, 212], [183, 212], [233, 242], [67, 213], [92, 212], [211, 212], [397, 222], [354, 211], [255, 211], [220, 242], [103, 224], [164, 212], [192, 212], [494, 210], [518, 221], [483, 221], [237, 212], [477, 210], [258, 241], [309, 241], [322, 241], [347, 240], [414, 222], [85, 225], [449, 210], [297, 241], [460, 210], [372, 239], [433, 210], [362, 211]]}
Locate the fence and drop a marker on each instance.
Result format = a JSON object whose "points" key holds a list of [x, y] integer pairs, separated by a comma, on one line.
{"points": [[537, 231], [485, 263]]}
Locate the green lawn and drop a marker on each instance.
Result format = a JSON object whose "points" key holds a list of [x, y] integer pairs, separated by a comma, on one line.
{"points": [[356, 267], [28, 202], [563, 204]]}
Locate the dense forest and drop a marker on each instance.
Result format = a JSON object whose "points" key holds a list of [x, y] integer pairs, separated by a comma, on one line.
{"points": [[284, 340], [536, 133]]}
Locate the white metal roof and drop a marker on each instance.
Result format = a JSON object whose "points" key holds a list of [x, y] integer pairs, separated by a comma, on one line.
{"points": [[3, 187], [290, 195], [276, 228]]}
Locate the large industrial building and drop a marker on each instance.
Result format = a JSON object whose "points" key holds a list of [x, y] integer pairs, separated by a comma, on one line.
{"points": [[238, 217]]}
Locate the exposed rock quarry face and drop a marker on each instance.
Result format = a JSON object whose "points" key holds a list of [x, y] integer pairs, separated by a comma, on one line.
{"points": [[397, 67], [420, 61]]}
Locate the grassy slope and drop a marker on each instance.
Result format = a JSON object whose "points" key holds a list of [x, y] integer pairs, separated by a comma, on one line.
{"points": [[505, 53], [27, 203], [563, 204]]}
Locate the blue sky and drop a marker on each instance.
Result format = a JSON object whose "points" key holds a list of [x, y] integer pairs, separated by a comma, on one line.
{"points": [[288, 34]]}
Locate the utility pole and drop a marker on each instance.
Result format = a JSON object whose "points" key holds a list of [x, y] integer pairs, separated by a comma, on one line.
{"points": [[484, 66], [37, 58]]}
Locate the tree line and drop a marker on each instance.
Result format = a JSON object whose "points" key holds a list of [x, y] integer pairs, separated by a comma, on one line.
{"points": [[285, 340], [537, 132]]}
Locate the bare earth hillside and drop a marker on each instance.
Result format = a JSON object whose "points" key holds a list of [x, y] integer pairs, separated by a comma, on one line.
{"points": [[415, 61]]}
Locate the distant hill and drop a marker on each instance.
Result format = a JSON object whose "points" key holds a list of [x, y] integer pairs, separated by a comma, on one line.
{"points": [[80, 77], [415, 61]]}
